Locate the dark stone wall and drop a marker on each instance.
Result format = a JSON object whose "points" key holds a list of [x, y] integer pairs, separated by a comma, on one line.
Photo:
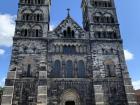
{"points": [[82, 87], [1, 92]]}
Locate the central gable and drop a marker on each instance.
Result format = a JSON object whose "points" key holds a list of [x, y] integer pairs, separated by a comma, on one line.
{"points": [[68, 28]]}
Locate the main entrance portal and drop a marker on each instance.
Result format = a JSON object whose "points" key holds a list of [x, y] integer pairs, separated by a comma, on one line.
{"points": [[70, 97], [70, 103]]}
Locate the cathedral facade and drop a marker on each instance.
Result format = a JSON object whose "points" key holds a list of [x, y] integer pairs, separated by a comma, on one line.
{"points": [[71, 65]]}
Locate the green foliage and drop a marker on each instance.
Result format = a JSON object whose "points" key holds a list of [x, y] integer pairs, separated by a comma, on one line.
{"points": [[1, 90]]}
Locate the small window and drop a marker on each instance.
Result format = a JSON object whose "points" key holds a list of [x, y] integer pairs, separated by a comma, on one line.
{"points": [[72, 34], [110, 69], [29, 70], [39, 1], [98, 34], [65, 34], [81, 69], [25, 32], [56, 69], [37, 32], [115, 35], [69, 69], [96, 19], [27, 17], [112, 20], [69, 33], [38, 17]]}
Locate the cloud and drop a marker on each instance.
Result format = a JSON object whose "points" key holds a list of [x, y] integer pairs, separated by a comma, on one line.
{"points": [[128, 55], [2, 51], [2, 81], [136, 84], [7, 28], [51, 27]]}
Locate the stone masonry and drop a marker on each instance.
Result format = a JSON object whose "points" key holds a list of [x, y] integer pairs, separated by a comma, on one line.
{"points": [[71, 65]]}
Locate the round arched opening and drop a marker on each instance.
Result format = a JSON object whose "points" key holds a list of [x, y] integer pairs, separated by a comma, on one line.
{"points": [[69, 103], [70, 97]]}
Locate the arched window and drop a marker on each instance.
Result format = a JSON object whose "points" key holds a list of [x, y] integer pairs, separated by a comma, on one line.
{"points": [[27, 16], [96, 19], [69, 33], [81, 69], [99, 34], [73, 34], [104, 34], [25, 32], [112, 19], [115, 35], [24, 17], [110, 68], [37, 31], [39, 1], [38, 17], [56, 69], [65, 33], [69, 69], [29, 70]]}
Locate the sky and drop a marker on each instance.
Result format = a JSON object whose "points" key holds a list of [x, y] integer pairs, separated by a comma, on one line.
{"points": [[128, 16]]}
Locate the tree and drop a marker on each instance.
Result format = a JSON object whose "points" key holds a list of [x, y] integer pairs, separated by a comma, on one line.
{"points": [[1, 92]]}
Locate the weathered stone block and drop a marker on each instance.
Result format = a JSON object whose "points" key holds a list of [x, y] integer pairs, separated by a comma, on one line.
{"points": [[42, 74], [11, 75], [42, 90], [6, 100], [41, 100], [8, 90]]}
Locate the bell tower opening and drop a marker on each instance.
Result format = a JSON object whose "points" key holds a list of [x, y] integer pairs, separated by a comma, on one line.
{"points": [[70, 103]]}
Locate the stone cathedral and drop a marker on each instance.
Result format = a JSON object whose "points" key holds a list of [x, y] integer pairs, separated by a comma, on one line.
{"points": [[71, 65]]}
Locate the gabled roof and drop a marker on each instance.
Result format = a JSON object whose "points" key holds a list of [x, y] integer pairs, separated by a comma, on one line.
{"points": [[68, 22]]}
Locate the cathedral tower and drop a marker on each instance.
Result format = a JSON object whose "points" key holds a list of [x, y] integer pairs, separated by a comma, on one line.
{"points": [[70, 65], [28, 55], [110, 73]]}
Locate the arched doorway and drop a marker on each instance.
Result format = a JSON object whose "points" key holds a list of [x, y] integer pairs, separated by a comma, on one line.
{"points": [[70, 97], [69, 103]]}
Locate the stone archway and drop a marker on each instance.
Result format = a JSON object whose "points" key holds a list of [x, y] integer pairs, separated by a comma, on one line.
{"points": [[69, 103], [70, 97]]}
